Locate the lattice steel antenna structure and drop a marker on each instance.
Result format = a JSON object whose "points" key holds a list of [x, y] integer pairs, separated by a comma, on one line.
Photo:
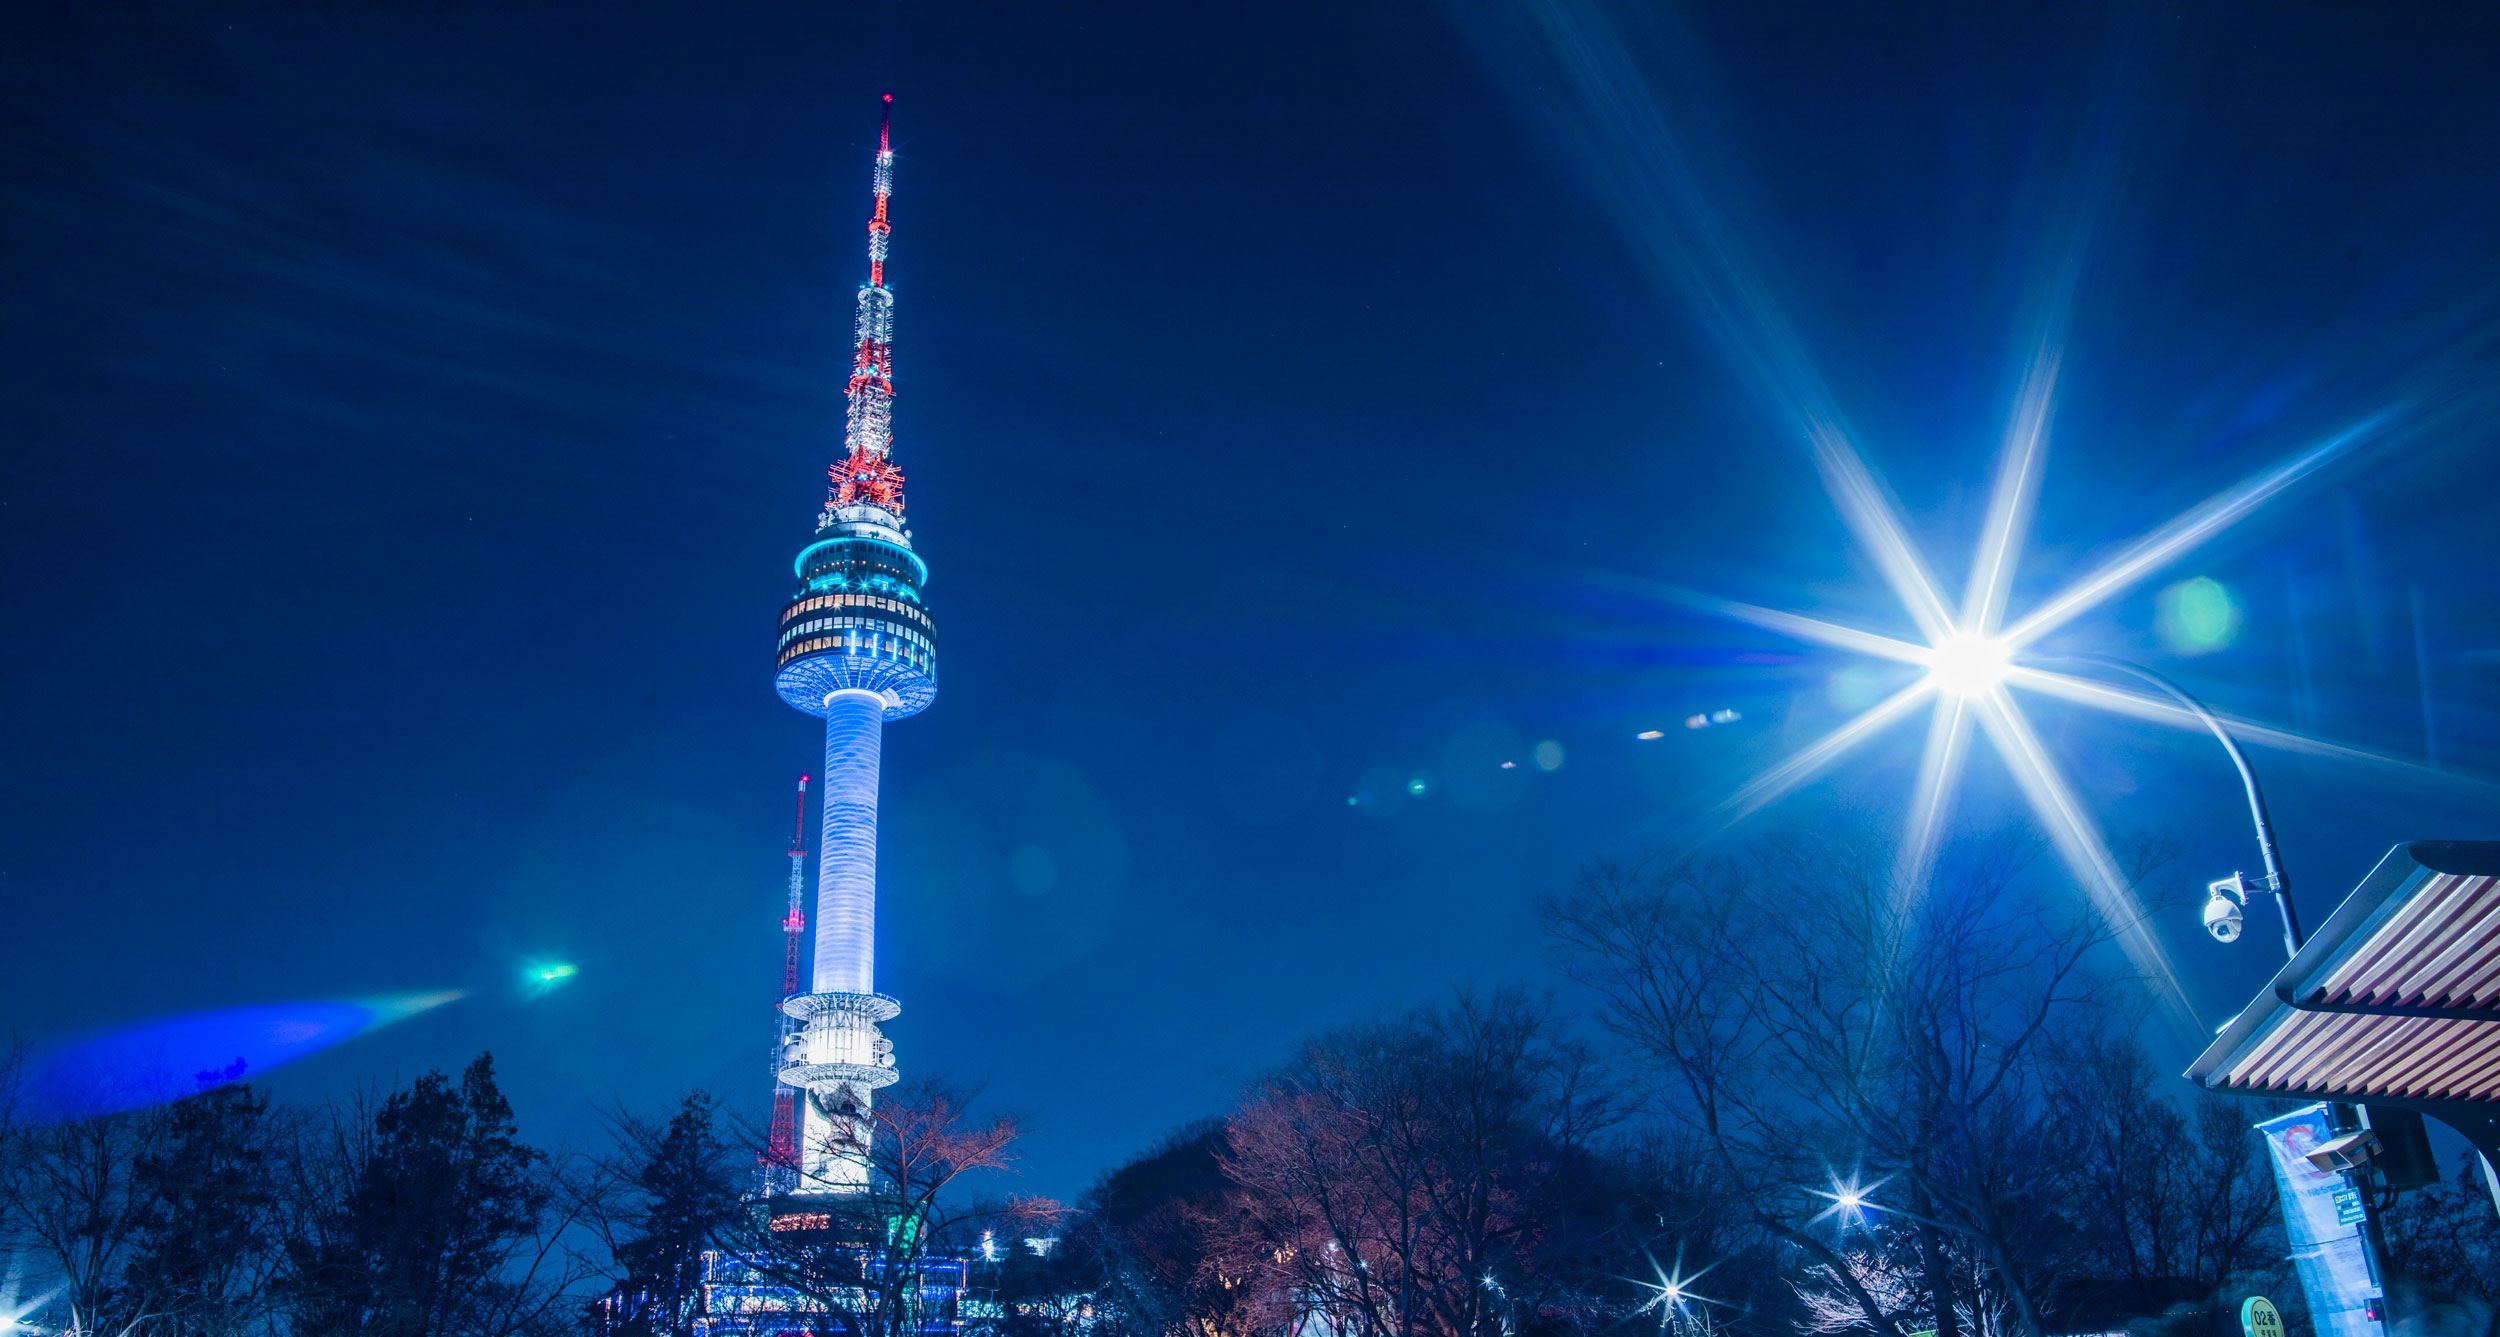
{"points": [[781, 1144], [857, 648]]}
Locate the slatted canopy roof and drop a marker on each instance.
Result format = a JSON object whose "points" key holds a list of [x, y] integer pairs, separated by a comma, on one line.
{"points": [[2395, 1000]]}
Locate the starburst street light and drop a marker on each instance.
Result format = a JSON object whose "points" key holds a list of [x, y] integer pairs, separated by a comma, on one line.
{"points": [[1850, 1199], [1974, 651], [1973, 656], [1670, 1291]]}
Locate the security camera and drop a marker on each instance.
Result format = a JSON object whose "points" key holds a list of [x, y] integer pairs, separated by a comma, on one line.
{"points": [[2347, 1151], [2224, 898]]}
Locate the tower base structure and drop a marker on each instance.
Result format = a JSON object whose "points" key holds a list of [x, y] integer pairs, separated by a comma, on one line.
{"points": [[838, 1056]]}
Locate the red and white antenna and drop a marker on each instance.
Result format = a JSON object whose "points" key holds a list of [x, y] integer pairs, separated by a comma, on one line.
{"points": [[781, 1144], [794, 924], [867, 475]]}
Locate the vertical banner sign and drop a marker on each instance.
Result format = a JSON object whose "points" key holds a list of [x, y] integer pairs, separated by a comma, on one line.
{"points": [[2320, 1216]]}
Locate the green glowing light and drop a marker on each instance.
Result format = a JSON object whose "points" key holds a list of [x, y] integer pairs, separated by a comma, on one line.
{"points": [[2197, 617], [543, 976]]}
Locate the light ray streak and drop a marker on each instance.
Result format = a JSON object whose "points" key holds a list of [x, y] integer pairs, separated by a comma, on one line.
{"points": [[1806, 628], [1870, 514], [1699, 254], [2160, 710], [2199, 524], [2010, 505], [1948, 733], [1803, 765], [2079, 845]]}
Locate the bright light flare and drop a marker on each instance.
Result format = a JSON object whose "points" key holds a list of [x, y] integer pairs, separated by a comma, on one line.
{"points": [[542, 977], [1966, 663], [17, 1312], [1975, 655], [1971, 668], [1670, 1290], [1851, 1199]]}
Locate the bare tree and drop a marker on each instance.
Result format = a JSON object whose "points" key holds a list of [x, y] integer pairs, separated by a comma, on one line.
{"points": [[1816, 1024], [2178, 1193], [1411, 1178], [70, 1190], [1141, 1237], [1666, 952]]}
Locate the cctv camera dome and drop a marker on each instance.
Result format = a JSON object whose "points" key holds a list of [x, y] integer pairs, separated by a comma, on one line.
{"points": [[2222, 918]]}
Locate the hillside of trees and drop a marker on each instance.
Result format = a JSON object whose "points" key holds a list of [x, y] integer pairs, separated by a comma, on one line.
{"points": [[1782, 1099]]}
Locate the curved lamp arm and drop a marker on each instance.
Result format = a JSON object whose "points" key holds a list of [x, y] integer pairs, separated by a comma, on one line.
{"points": [[2276, 882]]}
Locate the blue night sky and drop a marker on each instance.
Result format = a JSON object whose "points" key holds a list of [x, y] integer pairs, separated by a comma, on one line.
{"points": [[409, 422]]}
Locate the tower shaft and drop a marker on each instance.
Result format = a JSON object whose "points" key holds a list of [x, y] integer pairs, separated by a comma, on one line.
{"points": [[846, 865]]}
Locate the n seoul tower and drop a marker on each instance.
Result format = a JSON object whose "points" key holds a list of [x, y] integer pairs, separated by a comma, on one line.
{"points": [[857, 648]]}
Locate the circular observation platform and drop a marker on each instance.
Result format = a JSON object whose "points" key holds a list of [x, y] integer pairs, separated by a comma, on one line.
{"points": [[857, 623]]}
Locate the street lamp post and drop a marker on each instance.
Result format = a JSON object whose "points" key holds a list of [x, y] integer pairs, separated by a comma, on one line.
{"points": [[2276, 882], [2374, 1234]]}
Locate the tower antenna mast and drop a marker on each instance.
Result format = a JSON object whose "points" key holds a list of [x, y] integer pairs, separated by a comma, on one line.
{"points": [[866, 473], [781, 1144]]}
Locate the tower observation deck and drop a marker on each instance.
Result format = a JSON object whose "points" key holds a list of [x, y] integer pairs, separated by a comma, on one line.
{"points": [[857, 648]]}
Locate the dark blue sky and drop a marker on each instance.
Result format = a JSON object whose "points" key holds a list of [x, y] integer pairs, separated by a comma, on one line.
{"points": [[409, 420]]}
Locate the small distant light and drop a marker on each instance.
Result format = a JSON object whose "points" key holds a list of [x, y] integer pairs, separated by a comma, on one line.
{"points": [[1548, 755], [1417, 785], [1354, 800], [1696, 721], [541, 976], [1650, 735], [1725, 716], [1510, 765]]}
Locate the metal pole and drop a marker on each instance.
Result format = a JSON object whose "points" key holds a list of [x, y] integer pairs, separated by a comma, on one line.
{"points": [[2276, 882]]}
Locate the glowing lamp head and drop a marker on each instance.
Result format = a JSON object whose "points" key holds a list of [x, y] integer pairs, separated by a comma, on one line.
{"points": [[1850, 1199], [1968, 664]]}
